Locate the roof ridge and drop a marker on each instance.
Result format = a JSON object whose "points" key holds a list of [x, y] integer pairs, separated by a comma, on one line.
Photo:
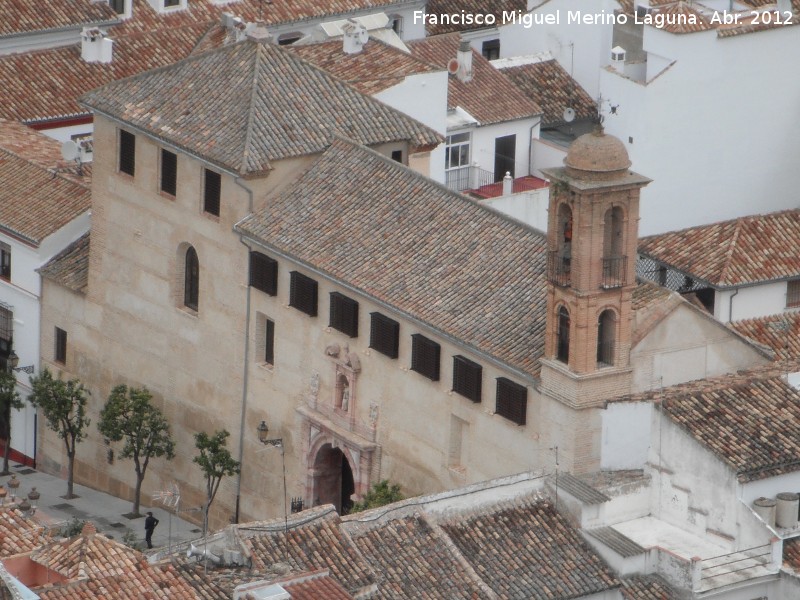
{"points": [[726, 265], [251, 113]]}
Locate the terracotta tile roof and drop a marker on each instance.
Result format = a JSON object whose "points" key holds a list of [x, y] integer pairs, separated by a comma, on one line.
{"points": [[679, 16], [377, 67], [413, 560], [98, 567], [493, 7], [780, 333], [35, 200], [748, 420], [408, 241], [647, 587], [54, 79], [791, 554], [248, 104], [490, 97], [23, 16], [730, 253], [315, 586], [18, 534], [70, 267], [531, 551], [549, 85], [647, 294], [319, 543]]}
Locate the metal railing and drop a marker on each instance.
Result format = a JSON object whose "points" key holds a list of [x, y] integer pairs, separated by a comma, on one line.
{"points": [[558, 269], [615, 272]]}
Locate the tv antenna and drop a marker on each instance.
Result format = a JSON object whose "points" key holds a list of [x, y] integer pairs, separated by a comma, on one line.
{"points": [[170, 498], [72, 151]]}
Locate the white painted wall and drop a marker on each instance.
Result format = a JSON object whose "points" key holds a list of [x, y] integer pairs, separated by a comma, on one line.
{"points": [[711, 130], [23, 294], [626, 435], [751, 302], [546, 155], [483, 139], [528, 207]]}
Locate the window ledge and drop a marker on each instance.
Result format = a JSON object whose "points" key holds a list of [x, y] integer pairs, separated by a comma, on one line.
{"points": [[189, 312], [167, 195], [265, 366], [210, 216]]}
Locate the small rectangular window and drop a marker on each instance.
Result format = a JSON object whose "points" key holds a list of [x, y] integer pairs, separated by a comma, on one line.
{"points": [[269, 342], [212, 190], [5, 261], [467, 376], [61, 346], [303, 293], [384, 335], [397, 156], [169, 172], [127, 152], [344, 314], [512, 400], [425, 356], [264, 273], [491, 49], [793, 293]]}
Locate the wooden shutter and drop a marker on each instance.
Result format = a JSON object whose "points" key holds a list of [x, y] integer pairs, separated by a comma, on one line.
{"points": [[169, 172], [344, 314], [303, 294], [212, 191], [264, 273], [425, 356], [384, 335], [127, 152], [512, 400], [467, 376]]}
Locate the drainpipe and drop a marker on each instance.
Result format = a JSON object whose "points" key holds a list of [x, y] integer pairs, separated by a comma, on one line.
{"points": [[245, 379], [530, 145], [730, 305]]}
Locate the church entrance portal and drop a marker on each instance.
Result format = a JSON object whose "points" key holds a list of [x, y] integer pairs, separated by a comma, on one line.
{"points": [[333, 479]]}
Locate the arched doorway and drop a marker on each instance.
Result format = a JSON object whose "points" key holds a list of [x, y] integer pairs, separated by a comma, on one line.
{"points": [[333, 479]]}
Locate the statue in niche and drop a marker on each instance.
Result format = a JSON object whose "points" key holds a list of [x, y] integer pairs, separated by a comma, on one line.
{"points": [[346, 397]]}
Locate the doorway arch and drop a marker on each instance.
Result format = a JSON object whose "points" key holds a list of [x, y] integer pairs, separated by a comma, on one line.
{"points": [[333, 479]]}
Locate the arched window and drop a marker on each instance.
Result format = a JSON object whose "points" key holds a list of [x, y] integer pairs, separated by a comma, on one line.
{"points": [[606, 338], [191, 281], [613, 234], [562, 335]]}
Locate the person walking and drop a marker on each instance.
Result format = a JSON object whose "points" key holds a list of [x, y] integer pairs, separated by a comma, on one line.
{"points": [[149, 526]]}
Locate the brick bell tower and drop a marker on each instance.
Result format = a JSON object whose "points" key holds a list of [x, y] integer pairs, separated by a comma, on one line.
{"points": [[592, 235]]}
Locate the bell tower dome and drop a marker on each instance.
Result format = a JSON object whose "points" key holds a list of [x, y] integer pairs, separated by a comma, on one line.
{"points": [[592, 236]]}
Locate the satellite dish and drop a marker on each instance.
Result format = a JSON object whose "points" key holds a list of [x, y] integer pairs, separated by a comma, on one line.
{"points": [[452, 66], [70, 150], [569, 114]]}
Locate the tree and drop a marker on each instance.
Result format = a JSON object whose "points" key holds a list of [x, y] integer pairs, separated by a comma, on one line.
{"points": [[128, 415], [216, 462], [63, 404], [381, 494], [9, 398]]}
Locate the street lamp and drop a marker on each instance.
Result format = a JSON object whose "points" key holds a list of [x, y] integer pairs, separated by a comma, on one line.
{"points": [[13, 361], [263, 437]]}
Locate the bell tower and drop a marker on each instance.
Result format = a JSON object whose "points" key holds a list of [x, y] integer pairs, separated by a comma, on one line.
{"points": [[592, 236]]}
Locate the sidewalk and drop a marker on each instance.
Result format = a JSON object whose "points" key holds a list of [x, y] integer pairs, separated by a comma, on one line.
{"points": [[106, 512]]}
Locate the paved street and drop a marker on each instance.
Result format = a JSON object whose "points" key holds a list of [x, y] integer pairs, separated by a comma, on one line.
{"points": [[105, 511]]}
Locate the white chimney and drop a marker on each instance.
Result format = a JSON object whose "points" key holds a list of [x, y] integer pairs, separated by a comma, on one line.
{"points": [[464, 57], [784, 6], [618, 58], [508, 184], [95, 46], [355, 36]]}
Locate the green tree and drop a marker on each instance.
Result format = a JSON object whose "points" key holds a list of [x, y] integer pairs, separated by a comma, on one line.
{"points": [[63, 404], [9, 398], [381, 494], [128, 415], [216, 462]]}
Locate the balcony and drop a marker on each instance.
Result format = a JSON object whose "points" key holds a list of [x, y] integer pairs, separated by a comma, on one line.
{"points": [[558, 269], [615, 272], [467, 178]]}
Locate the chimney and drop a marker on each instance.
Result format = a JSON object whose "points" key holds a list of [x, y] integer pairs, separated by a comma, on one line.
{"points": [[785, 6], [464, 57], [95, 46], [257, 32], [618, 59], [355, 36]]}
